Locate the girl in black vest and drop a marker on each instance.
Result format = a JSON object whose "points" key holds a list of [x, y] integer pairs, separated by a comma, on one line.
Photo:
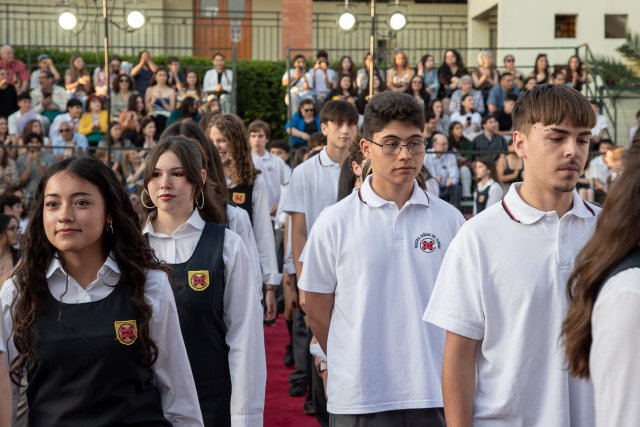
{"points": [[248, 190], [89, 315], [488, 191], [218, 302]]}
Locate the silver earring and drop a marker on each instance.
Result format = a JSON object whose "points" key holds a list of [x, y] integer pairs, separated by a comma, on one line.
{"points": [[142, 199], [110, 227], [200, 205]]}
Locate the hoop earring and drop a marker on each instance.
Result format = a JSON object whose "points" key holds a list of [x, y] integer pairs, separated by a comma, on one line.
{"points": [[142, 199], [110, 227], [200, 205]]}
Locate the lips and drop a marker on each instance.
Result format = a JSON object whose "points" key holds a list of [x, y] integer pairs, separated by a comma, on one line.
{"points": [[166, 197], [66, 231]]}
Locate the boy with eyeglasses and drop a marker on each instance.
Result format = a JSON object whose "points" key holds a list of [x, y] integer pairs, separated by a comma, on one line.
{"points": [[370, 264]]}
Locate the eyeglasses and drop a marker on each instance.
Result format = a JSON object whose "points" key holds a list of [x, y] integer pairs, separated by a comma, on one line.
{"points": [[394, 148], [64, 130], [509, 60], [123, 81], [308, 110]]}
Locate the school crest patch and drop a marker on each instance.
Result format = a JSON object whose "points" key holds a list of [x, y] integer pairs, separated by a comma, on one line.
{"points": [[126, 331], [238, 198], [198, 280], [427, 242], [481, 198]]}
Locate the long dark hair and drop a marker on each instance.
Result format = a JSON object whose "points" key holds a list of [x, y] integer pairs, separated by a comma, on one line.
{"points": [[129, 248], [617, 230]]}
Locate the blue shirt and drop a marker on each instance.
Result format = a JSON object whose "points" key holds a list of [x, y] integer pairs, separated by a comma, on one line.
{"points": [[298, 123], [497, 95], [79, 140]]}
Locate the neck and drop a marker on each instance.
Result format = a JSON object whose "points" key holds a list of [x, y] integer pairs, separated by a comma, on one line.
{"points": [[546, 200], [83, 266], [258, 151], [168, 223], [338, 155], [488, 134], [397, 193], [226, 167], [485, 179]]}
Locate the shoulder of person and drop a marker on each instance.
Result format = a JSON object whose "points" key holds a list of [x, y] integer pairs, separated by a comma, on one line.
{"points": [[8, 293]]}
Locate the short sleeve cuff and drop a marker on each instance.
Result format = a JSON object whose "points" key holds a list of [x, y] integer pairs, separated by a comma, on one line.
{"points": [[316, 287], [452, 325]]}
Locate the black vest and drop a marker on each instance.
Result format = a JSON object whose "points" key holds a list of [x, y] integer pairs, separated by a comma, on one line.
{"points": [[242, 196], [481, 199], [199, 293], [89, 368]]}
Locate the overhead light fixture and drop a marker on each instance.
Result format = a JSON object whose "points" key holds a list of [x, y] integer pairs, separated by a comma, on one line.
{"points": [[398, 20], [347, 20], [67, 20], [136, 19]]}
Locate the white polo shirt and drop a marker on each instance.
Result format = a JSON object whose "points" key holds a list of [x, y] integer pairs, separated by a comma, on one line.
{"points": [[381, 262], [504, 282], [313, 186], [276, 173]]}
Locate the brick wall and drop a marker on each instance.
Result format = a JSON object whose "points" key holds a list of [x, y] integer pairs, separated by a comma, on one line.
{"points": [[297, 26]]}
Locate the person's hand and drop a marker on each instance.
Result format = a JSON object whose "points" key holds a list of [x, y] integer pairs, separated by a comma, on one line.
{"points": [[46, 102], [83, 80], [270, 304], [448, 182], [305, 136], [217, 88]]}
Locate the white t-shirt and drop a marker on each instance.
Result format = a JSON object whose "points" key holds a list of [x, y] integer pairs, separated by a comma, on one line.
{"points": [[381, 262], [276, 173], [313, 186], [601, 123], [613, 361], [503, 282]]}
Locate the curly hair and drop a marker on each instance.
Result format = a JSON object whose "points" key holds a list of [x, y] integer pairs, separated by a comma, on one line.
{"points": [[243, 172], [127, 245]]}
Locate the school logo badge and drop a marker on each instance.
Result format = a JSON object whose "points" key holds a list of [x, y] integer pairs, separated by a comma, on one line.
{"points": [[238, 198], [199, 280], [427, 242], [126, 331], [481, 198]]}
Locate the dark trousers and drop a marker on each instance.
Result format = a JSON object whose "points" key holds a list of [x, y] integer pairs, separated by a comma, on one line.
{"points": [[428, 417], [319, 399], [451, 194], [301, 355]]}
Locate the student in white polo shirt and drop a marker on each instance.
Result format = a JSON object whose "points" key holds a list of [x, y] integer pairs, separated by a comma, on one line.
{"points": [[275, 171], [314, 186], [501, 291], [369, 267]]}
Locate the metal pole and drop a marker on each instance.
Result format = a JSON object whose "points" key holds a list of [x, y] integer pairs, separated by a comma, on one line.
{"points": [[106, 72], [372, 38], [288, 74], [234, 86]]}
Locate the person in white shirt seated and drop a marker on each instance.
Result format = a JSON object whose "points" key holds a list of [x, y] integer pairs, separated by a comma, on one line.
{"points": [[488, 191], [219, 82], [600, 129], [218, 302]]}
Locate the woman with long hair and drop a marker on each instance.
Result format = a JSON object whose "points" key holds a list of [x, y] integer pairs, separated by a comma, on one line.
{"points": [[248, 191], [6, 138], [347, 66], [576, 74], [485, 76], [541, 70], [34, 126], [9, 175], [364, 98], [600, 331], [133, 166], [118, 143], [457, 140], [160, 99], [345, 90], [122, 89], [94, 123], [77, 80], [426, 69], [89, 316], [449, 72], [417, 90], [488, 191], [147, 137], [219, 306], [468, 117], [191, 88], [9, 237], [362, 78], [133, 116], [400, 74]]}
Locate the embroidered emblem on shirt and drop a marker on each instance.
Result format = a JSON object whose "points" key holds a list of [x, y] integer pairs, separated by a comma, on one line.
{"points": [[126, 331], [481, 198], [238, 198], [427, 242], [199, 280]]}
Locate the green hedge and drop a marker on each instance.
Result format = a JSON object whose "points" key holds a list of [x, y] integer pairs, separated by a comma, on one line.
{"points": [[260, 93]]}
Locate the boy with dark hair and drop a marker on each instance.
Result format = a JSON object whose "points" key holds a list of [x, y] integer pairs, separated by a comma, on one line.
{"points": [[489, 141], [369, 267], [503, 115], [501, 291], [11, 205], [280, 148], [314, 186]]}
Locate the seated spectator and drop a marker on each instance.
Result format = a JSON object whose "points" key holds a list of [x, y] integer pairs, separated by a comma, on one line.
{"points": [[541, 70], [510, 67], [465, 87], [443, 120], [117, 142], [17, 73], [142, 73], [8, 96], [11, 204], [509, 167], [400, 74], [323, 78], [77, 81], [211, 106], [499, 92], [8, 171], [559, 78], [468, 117], [44, 64], [485, 76], [489, 141], [133, 116], [529, 83], [34, 126], [614, 159], [188, 111], [364, 98], [93, 124], [219, 82], [299, 84], [430, 128], [634, 129], [458, 142], [33, 164], [419, 92], [69, 143], [190, 89], [74, 111], [503, 115], [443, 167], [25, 112], [160, 100], [362, 79], [449, 72], [147, 138], [176, 77], [6, 139], [48, 99], [600, 129], [344, 91], [598, 171], [346, 66], [133, 169], [121, 91], [576, 74], [426, 70], [303, 124], [488, 191], [100, 77]]}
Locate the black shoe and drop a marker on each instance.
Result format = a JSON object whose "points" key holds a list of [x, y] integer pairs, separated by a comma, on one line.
{"points": [[309, 408], [297, 390], [288, 357], [271, 322]]}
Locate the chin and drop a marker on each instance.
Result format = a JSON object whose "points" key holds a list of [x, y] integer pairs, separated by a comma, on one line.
{"points": [[566, 187]]}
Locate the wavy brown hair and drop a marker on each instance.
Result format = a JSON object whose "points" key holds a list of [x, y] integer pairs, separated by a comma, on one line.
{"points": [[243, 172], [127, 246], [617, 230]]}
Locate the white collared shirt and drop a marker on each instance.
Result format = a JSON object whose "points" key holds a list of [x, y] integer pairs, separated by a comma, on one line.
{"points": [[495, 194], [313, 186], [503, 282], [276, 173], [240, 224], [242, 314], [171, 370], [381, 263]]}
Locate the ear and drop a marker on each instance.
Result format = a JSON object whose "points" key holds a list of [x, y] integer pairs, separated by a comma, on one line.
{"points": [[324, 128], [203, 176], [520, 143], [365, 147]]}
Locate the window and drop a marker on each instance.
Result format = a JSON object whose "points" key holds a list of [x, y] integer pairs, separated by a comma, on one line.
{"points": [[566, 26], [615, 26]]}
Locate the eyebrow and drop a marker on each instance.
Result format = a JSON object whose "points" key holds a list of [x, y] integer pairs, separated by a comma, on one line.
{"points": [[76, 194], [566, 132], [415, 135], [171, 169]]}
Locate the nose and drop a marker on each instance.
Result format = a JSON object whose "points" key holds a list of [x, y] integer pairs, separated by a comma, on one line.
{"points": [[65, 213], [165, 181], [404, 152]]}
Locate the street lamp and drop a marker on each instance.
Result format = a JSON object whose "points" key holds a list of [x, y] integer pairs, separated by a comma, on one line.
{"points": [[136, 19], [67, 20], [397, 21], [347, 21]]}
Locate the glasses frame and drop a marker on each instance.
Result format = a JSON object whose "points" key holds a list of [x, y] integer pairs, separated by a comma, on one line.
{"points": [[399, 150], [64, 130]]}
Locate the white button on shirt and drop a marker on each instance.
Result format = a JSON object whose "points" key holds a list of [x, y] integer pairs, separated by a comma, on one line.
{"points": [[242, 314], [171, 370], [381, 263], [503, 282]]}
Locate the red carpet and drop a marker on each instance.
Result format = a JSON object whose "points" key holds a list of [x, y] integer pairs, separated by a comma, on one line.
{"points": [[281, 410]]}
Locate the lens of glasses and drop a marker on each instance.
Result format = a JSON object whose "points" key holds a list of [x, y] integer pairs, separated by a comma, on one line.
{"points": [[394, 148]]}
